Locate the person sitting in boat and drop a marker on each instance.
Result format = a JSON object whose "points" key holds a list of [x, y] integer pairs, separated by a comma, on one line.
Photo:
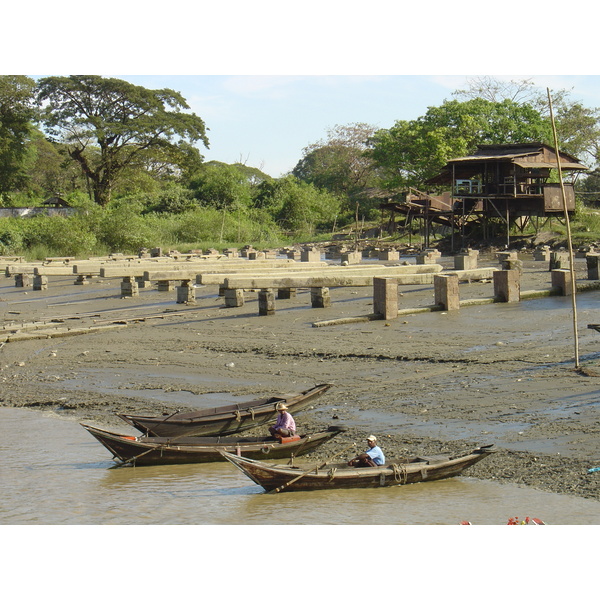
{"points": [[285, 426], [373, 457]]}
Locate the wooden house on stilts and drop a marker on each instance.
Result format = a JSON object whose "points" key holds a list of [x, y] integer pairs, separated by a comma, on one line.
{"points": [[495, 188]]}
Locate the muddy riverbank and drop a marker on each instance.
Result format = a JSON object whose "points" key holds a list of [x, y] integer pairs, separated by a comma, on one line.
{"points": [[425, 383]]}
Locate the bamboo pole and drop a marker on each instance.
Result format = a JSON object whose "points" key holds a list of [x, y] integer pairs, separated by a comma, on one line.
{"points": [[566, 212]]}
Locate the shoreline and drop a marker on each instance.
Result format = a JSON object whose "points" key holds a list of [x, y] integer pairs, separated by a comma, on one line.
{"points": [[424, 384]]}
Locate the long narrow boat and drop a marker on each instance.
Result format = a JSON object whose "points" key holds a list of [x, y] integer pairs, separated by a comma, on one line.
{"points": [[224, 420], [143, 451], [282, 478]]}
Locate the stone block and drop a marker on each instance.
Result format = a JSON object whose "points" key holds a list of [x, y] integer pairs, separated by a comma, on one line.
{"points": [[561, 280], [233, 298], [591, 260], [40, 282], [507, 285], [351, 258], [266, 302], [286, 293], [186, 293], [389, 255], [446, 291], [320, 297], [385, 297], [22, 280]]}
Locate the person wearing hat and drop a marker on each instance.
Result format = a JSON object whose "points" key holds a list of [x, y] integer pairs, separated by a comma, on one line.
{"points": [[373, 457], [285, 426]]}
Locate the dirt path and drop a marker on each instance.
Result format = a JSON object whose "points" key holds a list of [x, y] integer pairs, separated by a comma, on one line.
{"points": [[425, 383]]}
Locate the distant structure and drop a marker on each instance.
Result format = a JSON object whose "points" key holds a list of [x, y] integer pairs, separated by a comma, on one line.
{"points": [[52, 207], [500, 185]]}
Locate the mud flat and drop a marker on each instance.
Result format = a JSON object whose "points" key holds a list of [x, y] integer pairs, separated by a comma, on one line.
{"points": [[424, 383]]}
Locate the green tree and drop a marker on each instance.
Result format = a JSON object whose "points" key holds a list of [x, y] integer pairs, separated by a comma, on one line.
{"points": [[296, 205], [412, 151], [577, 126], [109, 125], [16, 115], [339, 163], [222, 186]]}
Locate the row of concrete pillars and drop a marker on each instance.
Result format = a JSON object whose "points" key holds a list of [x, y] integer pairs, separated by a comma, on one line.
{"points": [[507, 288]]}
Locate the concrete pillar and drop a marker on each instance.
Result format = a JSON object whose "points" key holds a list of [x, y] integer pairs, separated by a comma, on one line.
{"points": [[351, 258], [541, 253], [559, 260], [310, 255], [22, 280], [266, 302], [428, 257], [503, 256], [512, 264], [141, 282], [561, 280], [82, 280], [446, 291], [389, 255], [320, 297], [507, 285], [592, 265], [186, 293], [385, 297], [256, 255], [166, 286], [156, 252], [286, 293], [129, 287], [466, 259], [233, 298], [40, 282]]}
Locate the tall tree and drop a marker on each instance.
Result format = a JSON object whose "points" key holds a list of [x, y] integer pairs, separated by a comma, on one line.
{"points": [[109, 125], [16, 114], [412, 151], [577, 126], [339, 163]]}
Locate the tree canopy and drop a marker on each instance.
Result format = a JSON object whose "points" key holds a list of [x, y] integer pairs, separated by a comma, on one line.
{"points": [[16, 115], [108, 125], [412, 151]]}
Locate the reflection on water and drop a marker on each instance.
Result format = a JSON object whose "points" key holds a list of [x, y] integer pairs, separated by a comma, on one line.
{"points": [[54, 472]]}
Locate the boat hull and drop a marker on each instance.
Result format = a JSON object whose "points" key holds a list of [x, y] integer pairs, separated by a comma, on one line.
{"points": [[225, 420], [340, 476], [145, 451]]}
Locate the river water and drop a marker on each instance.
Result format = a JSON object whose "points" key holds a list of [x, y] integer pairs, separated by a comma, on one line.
{"points": [[55, 473]]}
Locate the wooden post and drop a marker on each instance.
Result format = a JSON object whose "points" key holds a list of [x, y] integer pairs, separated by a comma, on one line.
{"points": [[385, 297], [266, 302], [507, 285], [446, 291]]}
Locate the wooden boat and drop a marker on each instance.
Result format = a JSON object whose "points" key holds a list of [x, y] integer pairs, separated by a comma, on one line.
{"points": [[279, 478], [224, 420], [141, 451]]}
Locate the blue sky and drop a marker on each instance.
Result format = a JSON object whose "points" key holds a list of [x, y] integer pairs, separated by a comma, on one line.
{"points": [[266, 121], [270, 77]]}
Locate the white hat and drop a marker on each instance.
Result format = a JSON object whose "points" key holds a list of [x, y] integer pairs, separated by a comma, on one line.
{"points": [[371, 438], [281, 406]]}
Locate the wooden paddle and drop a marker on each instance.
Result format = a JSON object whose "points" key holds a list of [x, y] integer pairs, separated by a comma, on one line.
{"points": [[315, 468]]}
